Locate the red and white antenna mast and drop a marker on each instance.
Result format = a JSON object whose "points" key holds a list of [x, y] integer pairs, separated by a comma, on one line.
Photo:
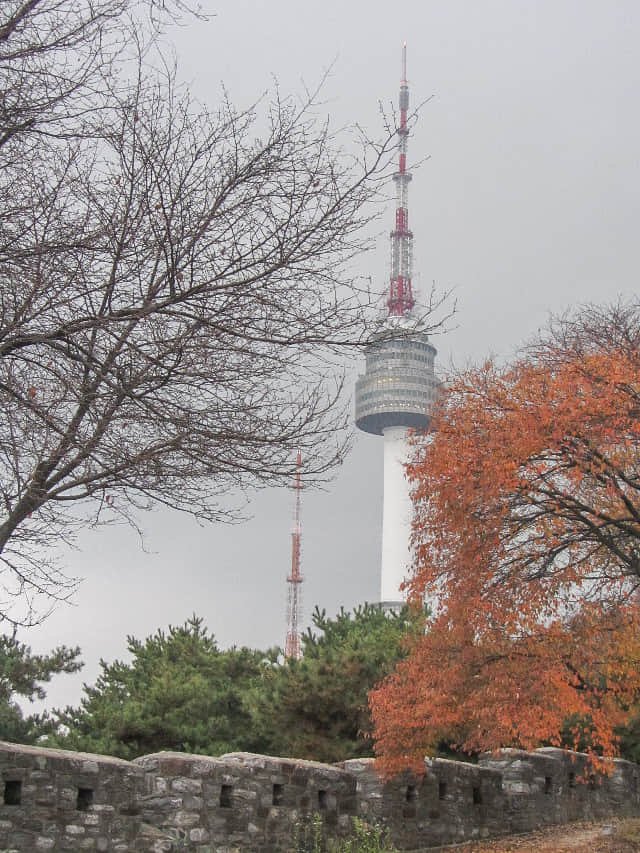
{"points": [[401, 301], [292, 647]]}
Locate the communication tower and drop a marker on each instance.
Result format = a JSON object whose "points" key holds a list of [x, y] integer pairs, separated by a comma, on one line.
{"points": [[292, 647], [399, 385]]}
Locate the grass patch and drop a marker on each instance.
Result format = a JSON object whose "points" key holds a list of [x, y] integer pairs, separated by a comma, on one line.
{"points": [[311, 837]]}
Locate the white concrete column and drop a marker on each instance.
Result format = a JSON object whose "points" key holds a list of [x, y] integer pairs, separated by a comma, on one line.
{"points": [[396, 515]]}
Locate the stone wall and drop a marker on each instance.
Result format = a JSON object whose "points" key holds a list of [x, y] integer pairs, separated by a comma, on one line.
{"points": [[511, 792], [65, 801], [243, 801], [56, 800]]}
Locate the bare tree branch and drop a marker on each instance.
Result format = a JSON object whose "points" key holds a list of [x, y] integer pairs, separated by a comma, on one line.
{"points": [[176, 286]]}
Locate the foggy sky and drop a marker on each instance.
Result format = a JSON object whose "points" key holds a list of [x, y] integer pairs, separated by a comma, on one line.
{"points": [[528, 204]]}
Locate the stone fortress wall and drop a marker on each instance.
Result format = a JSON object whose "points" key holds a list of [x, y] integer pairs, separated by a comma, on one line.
{"points": [[65, 801]]}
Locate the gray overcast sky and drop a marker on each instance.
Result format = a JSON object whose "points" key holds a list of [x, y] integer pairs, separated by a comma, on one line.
{"points": [[528, 204]]}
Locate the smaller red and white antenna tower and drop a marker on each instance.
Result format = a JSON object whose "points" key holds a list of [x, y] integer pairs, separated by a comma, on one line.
{"points": [[292, 647]]}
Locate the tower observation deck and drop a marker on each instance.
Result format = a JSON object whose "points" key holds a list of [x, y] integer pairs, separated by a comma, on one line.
{"points": [[399, 385]]}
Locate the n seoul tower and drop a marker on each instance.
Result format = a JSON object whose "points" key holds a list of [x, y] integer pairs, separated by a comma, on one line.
{"points": [[399, 386]]}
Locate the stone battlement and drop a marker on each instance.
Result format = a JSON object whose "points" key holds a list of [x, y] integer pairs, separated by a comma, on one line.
{"points": [[66, 801]]}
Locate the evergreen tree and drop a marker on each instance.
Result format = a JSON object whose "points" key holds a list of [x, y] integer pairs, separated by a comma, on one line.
{"points": [[180, 692], [22, 674], [316, 708]]}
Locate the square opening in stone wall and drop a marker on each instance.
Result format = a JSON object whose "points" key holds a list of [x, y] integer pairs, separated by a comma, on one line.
{"points": [[12, 792], [411, 794], [572, 779], [85, 799], [442, 790], [278, 794], [548, 785], [322, 801], [226, 792], [477, 795]]}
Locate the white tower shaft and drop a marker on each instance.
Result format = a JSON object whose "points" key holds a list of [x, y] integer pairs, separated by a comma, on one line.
{"points": [[396, 516]]}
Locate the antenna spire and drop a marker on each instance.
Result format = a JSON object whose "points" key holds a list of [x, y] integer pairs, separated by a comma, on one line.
{"points": [[401, 301]]}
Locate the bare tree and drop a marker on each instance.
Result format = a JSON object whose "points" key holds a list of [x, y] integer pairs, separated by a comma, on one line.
{"points": [[175, 287]]}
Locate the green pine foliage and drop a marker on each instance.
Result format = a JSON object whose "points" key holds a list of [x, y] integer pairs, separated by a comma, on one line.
{"points": [[318, 706], [22, 674], [179, 692]]}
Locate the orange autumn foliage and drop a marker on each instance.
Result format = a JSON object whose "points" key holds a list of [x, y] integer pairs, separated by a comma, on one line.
{"points": [[527, 533]]}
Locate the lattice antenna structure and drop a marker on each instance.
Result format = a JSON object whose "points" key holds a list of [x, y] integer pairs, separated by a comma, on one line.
{"points": [[292, 646], [401, 301]]}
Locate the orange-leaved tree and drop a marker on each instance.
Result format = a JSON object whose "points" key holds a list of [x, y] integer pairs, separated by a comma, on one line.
{"points": [[527, 532]]}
